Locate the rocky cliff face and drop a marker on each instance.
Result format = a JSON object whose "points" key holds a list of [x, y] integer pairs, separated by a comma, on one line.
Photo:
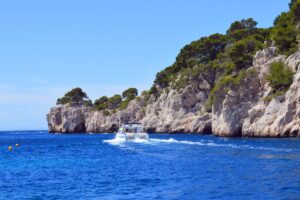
{"points": [[99, 122], [240, 110], [171, 112], [68, 119], [231, 107], [279, 118], [243, 111], [179, 111], [81, 119]]}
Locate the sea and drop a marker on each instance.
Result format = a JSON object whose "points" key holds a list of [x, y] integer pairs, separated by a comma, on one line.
{"points": [[181, 166]]}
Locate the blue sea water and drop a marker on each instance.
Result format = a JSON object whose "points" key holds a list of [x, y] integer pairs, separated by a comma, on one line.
{"points": [[47, 166]]}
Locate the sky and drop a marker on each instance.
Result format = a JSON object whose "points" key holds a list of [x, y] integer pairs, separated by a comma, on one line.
{"points": [[104, 47]]}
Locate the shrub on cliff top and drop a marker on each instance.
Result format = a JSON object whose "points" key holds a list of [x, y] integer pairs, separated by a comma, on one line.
{"points": [[241, 52], [203, 50], [200, 51], [286, 29], [284, 34], [241, 29], [280, 77], [101, 103], [164, 77], [63, 100], [217, 54], [114, 101], [296, 9], [75, 95], [292, 3], [130, 94]]}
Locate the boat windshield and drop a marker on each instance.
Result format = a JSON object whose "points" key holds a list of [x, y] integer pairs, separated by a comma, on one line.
{"points": [[133, 129]]}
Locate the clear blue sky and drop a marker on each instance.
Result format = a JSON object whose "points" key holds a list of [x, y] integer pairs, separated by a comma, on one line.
{"points": [[49, 47]]}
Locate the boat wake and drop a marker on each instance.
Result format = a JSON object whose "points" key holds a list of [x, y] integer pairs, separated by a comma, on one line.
{"points": [[122, 142]]}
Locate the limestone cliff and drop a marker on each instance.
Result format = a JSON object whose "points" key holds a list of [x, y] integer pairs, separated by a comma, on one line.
{"points": [[68, 119], [239, 110], [280, 117], [171, 112], [244, 112], [179, 111], [245, 82]]}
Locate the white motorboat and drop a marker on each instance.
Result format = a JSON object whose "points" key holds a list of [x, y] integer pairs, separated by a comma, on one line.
{"points": [[132, 131]]}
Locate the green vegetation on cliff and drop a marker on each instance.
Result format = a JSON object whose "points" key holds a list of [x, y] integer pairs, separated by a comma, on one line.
{"points": [[75, 96], [116, 102], [280, 79], [106, 104], [215, 55], [130, 94], [286, 30], [222, 60], [229, 81], [101, 103]]}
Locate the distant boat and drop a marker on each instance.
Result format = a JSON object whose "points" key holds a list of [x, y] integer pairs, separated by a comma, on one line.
{"points": [[132, 131]]}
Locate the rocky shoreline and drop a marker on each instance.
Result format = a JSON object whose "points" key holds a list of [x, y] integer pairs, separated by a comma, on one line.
{"points": [[239, 110]]}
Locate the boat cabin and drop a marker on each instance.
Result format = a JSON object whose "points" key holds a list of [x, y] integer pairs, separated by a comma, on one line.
{"points": [[132, 128]]}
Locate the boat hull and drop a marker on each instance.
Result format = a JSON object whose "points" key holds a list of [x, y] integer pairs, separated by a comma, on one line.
{"points": [[133, 136]]}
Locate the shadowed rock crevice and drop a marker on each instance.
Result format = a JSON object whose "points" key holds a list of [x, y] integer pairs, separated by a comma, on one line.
{"points": [[80, 128], [114, 128]]}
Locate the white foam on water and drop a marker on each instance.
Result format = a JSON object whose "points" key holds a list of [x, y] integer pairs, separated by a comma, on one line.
{"points": [[115, 141], [121, 141], [234, 146], [143, 141], [172, 140]]}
